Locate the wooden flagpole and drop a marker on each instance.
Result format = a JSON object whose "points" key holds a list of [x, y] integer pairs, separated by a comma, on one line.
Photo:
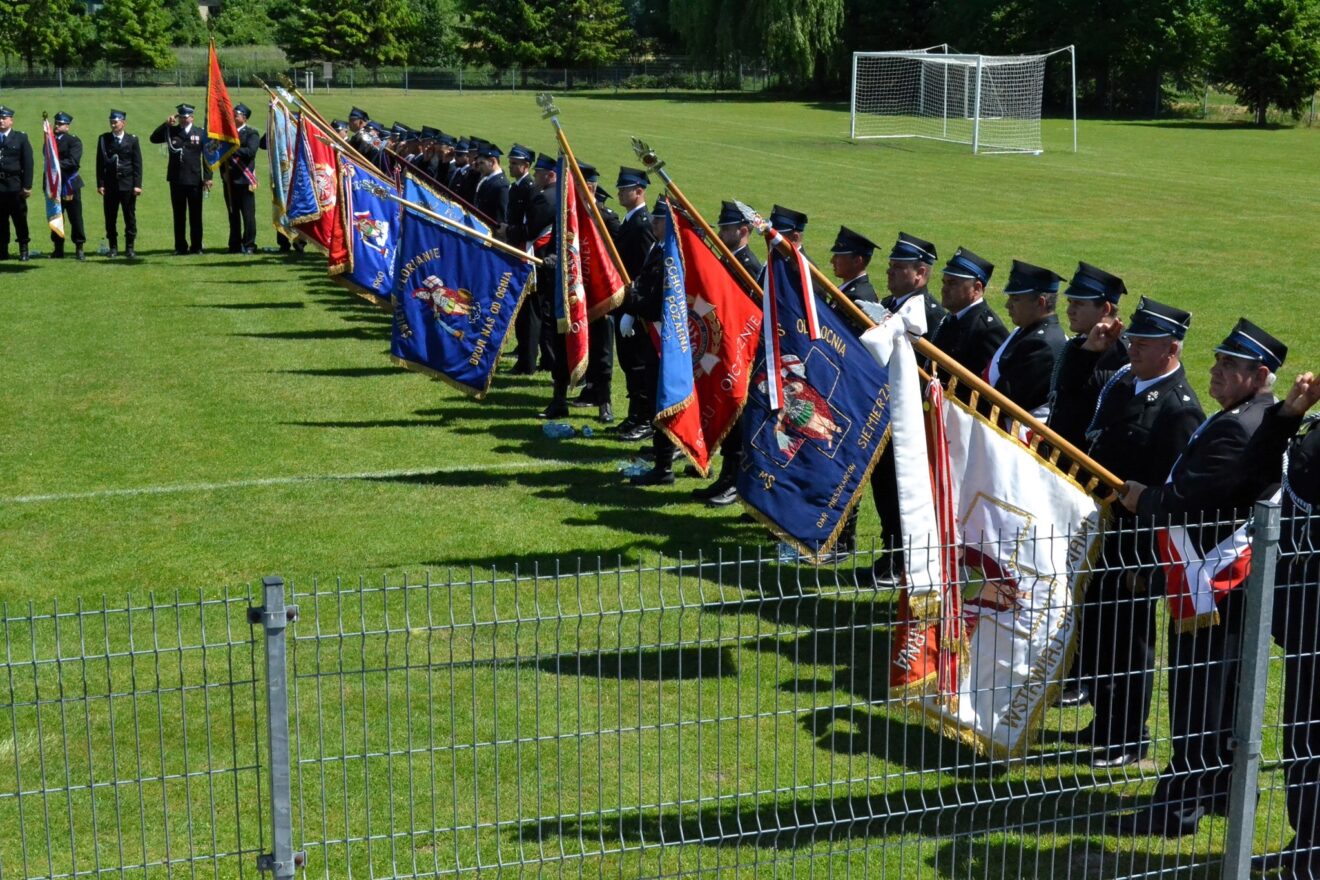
{"points": [[466, 230], [551, 112], [652, 162]]}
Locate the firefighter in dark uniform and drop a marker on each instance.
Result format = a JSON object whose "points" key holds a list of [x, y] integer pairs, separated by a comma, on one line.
{"points": [[1296, 622], [1023, 365], [538, 230], [15, 184], [635, 240], [119, 181], [240, 196], [973, 332], [527, 325], [644, 302], [1209, 491], [910, 262], [188, 175], [736, 233], [1143, 419], [849, 257], [360, 136], [1092, 294], [599, 378], [71, 150], [491, 196]]}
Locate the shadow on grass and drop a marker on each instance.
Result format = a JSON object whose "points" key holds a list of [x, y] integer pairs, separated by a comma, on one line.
{"points": [[344, 333], [250, 306], [1205, 124], [977, 815], [660, 664]]}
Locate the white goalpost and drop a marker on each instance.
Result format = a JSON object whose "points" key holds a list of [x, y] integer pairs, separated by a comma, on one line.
{"points": [[991, 102]]}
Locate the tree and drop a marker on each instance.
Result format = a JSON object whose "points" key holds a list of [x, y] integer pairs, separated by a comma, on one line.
{"points": [[798, 38], [135, 33], [244, 23], [1270, 53], [432, 38], [185, 23], [319, 30], [581, 33], [57, 32], [504, 33]]}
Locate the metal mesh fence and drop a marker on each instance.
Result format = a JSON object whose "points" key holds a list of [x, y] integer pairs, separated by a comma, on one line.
{"points": [[692, 716], [130, 739]]}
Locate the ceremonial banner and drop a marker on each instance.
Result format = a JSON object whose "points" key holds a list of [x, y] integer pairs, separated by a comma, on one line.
{"points": [[313, 205], [570, 294], [221, 131], [806, 462], [676, 394], [1025, 536], [419, 192], [281, 135], [455, 298], [373, 230], [52, 184], [601, 280], [722, 330]]}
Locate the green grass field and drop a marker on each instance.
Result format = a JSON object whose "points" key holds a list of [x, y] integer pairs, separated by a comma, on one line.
{"points": [[200, 422], [144, 403]]}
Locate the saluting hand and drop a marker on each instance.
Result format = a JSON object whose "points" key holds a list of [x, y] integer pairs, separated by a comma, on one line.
{"points": [[1104, 335], [1305, 392]]}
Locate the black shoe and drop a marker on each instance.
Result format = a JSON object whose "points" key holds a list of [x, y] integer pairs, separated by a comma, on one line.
{"points": [[1117, 757], [605, 415], [233, 249], [129, 253], [57, 254], [637, 432], [23, 255], [4, 254], [1161, 821], [627, 424], [112, 252], [725, 498], [1074, 696], [654, 477], [886, 571], [80, 255], [180, 252], [718, 487], [556, 410], [585, 399], [196, 250]]}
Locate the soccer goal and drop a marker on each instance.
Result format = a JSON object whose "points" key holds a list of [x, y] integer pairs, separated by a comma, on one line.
{"points": [[991, 102]]}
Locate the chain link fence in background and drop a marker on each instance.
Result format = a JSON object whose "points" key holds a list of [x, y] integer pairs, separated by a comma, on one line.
{"points": [[653, 76], [691, 717]]}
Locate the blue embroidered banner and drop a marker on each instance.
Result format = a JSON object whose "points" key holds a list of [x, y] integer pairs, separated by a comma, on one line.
{"points": [[805, 464]]}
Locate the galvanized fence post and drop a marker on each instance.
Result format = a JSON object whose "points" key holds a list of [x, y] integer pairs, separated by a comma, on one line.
{"points": [[274, 617], [1253, 672]]}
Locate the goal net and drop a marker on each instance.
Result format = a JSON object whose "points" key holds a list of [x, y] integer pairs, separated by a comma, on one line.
{"points": [[991, 102]]}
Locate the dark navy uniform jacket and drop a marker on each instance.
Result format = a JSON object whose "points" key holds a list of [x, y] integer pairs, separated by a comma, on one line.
{"points": [[118, 165], [972, 338], [1026, 363]]}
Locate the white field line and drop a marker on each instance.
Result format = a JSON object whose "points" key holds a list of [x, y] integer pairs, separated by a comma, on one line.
{"points": [[293, 480]]}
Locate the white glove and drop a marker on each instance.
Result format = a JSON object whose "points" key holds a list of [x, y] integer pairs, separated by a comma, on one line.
{"points": [[626, 328]]}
